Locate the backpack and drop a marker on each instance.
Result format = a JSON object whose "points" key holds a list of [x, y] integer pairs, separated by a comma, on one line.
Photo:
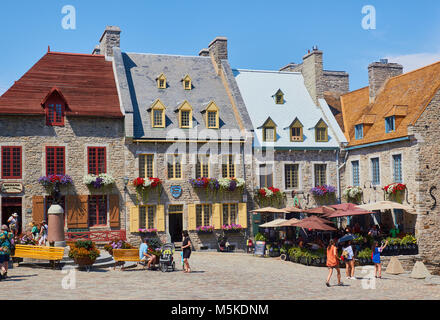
{"points": [[12, 246]]}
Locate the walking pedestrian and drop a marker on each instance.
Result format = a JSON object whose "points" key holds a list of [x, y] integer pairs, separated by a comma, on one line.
{"points": [[348, 254], [6, 242], [43, 233], [332, 262], [13, 223], [376, 258], [186, 249]]}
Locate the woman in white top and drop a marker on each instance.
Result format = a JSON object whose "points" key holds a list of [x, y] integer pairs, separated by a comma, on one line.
{"points": [[43, 234], [347, 252]]}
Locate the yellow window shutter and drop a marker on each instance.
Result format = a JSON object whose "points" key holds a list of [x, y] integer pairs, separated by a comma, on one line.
{"points": [[216, 216], [160, 214], [242, 214], [134, 219], [192, 225]]}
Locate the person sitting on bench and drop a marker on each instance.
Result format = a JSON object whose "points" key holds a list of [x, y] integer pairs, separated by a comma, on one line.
{"points": [[145, 256]]}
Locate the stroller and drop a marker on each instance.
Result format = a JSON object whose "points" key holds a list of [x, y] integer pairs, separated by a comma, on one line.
{"points": [[166, 259]]}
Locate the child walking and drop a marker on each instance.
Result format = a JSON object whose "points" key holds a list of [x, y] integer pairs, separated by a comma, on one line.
{"points": [[376, 258]]}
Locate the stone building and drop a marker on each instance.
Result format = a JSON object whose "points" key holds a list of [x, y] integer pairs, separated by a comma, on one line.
{"points": [[296, 136], [63, 117], [184, 119], [392, 129]]}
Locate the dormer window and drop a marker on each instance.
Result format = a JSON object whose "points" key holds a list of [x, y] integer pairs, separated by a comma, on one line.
{"points": [[296, 131], [390, 124], [212, 116], [321, 131], [185, 115], [269, 131], [358, 131], [187, 83], [161, 81], [279, 97], [55, 106], [157, 114]]}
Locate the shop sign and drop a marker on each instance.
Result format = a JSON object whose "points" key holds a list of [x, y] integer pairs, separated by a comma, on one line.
{"points": [[12, 187], [260, 247], [176, 191]]}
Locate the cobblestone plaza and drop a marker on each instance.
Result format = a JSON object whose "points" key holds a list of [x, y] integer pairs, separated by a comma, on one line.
{"points": [[215, 276]]}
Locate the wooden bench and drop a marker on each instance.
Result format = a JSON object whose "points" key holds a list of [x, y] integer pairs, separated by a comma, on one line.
{"points": [[52, 254], [131, 255]]}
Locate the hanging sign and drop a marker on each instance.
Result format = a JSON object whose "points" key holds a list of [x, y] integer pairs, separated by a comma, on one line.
{"points": [[12, 187]]}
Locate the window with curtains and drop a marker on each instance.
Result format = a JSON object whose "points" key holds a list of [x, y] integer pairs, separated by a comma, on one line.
{"points": [[230, 211], [147, 217], [355, 171], [358, 131], [11, 162], [97, 210], [291, 174], [203, 215], [202, 166], [375, 171], [55, 160], [266, 175], [174, 166], [320, 174], [228, 166], [146, 165], [397, 168], [96, 160]]}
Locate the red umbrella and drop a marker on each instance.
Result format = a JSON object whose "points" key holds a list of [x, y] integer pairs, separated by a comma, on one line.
{"points": [[313, 224], [324, 210], [319, 220], [344, 206], [345, 213]]}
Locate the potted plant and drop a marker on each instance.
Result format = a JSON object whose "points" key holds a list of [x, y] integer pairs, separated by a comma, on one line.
{"points": [[230, 228], [98, 182], [353, 194], [48, 182], [148, 232], [324, 194], [394, 191], [117, 244], [84, 253], [231, 184], [269, 196], [145, 185], [205, 229]]}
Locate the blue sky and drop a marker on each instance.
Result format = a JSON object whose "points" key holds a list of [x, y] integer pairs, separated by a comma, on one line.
{"points": [[261, 34]]}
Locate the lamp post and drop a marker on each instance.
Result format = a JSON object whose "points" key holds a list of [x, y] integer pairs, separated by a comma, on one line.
{"points": [[125, 202]]}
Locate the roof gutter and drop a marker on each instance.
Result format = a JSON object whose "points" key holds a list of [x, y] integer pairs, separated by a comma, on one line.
{"points": [[377, 143]]}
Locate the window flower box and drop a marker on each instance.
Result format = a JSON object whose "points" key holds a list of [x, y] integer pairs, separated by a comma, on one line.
{"points": [[323, 194], [232, 228], [150, 231], [48, 182], [269, 197], [394, 191], [353, 194], [98, 182], [205, 229], [231, 184], [145, 185]]}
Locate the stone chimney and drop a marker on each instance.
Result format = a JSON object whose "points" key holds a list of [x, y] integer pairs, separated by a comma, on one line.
{"points": [[292, 67], [218, 49], [312, 70], [109, 39], [379, 73], [204, 53]]}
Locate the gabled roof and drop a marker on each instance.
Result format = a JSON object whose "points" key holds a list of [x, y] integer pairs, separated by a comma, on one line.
{"points": [[257, 89], [405, 96], [85, 81]]}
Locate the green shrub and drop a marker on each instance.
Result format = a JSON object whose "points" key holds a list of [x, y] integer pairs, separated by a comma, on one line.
{"points": [[260, 237], [365, 254]]}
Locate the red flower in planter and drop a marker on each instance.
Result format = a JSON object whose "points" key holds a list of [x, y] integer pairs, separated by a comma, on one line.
{"points": [[138, 182], [155, 182], [262, 192]]}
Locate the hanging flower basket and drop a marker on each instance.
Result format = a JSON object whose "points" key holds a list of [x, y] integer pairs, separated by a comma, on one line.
{"points": [[48, 182], [231, 184], [145, 185], [205, 229], [99, 182], [269, 196], [210, 185], [324, 194], [353, 194], [395, 191]]}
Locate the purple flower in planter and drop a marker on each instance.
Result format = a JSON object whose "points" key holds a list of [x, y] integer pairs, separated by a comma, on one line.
{"points": [[213, 184], [232, 185], [97, 183], [66, 179]]}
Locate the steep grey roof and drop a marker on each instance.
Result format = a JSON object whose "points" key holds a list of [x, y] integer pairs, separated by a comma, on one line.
{"points": [[138, 90]]}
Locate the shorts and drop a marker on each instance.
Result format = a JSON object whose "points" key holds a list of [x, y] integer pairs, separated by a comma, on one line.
{"points": [[186, 254], [347, 260], [4, 258]]}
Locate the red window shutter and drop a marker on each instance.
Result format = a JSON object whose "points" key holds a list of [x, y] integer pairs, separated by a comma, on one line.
{"points": [[11, 162], [38, 209], [114, 210]]}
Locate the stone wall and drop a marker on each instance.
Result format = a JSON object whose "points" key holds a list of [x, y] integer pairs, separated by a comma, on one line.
{"points": [[76, 135], [189, 195], [427, 176]]}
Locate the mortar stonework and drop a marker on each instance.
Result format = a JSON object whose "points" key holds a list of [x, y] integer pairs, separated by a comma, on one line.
{"points": [[32, 134]]}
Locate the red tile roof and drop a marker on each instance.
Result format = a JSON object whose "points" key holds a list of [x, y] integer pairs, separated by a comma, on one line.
{"points": [[405, 96], [86, 82]]}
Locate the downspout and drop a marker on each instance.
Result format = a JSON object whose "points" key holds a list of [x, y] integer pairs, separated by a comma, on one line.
{"points": [[338, 177]]}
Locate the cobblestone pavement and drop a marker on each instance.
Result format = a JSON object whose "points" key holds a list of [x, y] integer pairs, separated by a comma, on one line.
{"points": [[214, 276]]}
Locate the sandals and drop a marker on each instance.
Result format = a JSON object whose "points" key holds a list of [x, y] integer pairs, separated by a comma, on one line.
{"points": [[327, 284]]}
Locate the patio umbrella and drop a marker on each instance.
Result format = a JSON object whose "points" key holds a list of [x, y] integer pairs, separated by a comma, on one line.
{"points": [[347, 237], [273, 224], [289, 223], [319, 220], [344, 206], [308, 223], [324, 210], [387, 205], [350, 212], [269, 210], [293, 209]]}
